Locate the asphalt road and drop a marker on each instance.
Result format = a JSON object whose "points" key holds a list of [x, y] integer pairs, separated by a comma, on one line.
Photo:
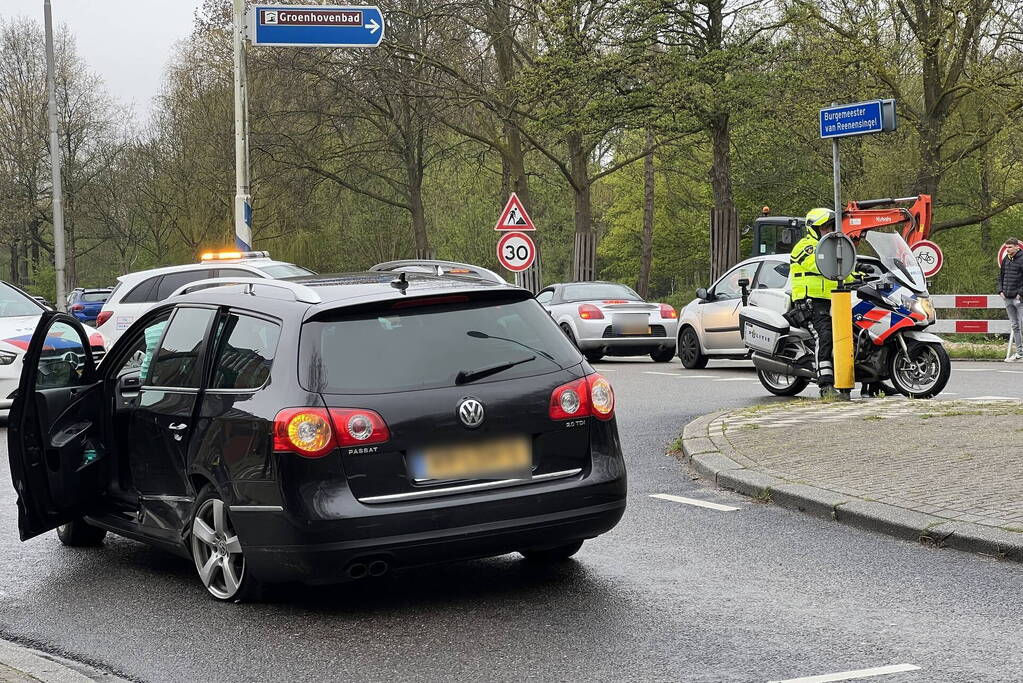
{"points": [[674, 593]]}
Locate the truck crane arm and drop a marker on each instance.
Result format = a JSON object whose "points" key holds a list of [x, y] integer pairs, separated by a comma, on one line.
{"points": [[914, 222]]}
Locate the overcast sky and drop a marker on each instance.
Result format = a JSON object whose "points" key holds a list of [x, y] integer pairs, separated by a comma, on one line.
{"points": [[127, 42]]}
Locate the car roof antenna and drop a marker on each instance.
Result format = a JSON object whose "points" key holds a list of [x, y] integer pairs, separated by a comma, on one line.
{"points": [[401, 283]]}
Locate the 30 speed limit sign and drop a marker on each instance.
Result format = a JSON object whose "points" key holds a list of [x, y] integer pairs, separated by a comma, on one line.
{"points": [[516, 251]]}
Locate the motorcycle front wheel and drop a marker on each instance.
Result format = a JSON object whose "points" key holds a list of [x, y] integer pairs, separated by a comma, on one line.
{"points": [[782, 385], [922, 372]]}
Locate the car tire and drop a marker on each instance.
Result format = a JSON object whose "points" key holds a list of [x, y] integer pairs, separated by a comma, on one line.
{"points": [[80, 534], [663, 355], [593, 356], [216, 551], [558, 553], [689, 350]]}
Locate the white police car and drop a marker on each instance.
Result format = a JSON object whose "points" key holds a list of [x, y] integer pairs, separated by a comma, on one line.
{"points": [[19, 315], [136, 293]]}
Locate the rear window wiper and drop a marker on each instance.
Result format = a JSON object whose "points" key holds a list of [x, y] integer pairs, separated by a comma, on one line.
{"points": [[466, 376]]}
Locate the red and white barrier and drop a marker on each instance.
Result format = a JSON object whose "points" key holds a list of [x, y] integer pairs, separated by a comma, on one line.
{"points": [[953, 326]]}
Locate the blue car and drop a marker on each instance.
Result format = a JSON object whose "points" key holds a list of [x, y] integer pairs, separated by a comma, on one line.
{"points": [[85, 304]]}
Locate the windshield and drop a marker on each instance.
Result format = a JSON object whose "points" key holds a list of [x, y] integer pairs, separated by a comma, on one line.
{"points": [[427, 347], [591, 291], [95, 297], [14, 303], [898, 258], [282, 270]]}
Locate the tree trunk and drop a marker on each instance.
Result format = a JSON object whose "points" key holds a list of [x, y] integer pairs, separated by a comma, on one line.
{"points": [[15, 266], [646, 242], [584, 251], [414, 169], [985, 199], [724, 244]]}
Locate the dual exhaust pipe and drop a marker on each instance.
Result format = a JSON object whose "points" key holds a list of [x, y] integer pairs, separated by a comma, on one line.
{"points": [[360, 570]]}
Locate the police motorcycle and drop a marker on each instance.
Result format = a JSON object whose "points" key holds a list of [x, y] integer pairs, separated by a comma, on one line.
{"points": [[891, 310]]}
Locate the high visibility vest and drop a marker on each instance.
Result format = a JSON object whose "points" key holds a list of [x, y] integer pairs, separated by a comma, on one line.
{"points": [[807, 282]]}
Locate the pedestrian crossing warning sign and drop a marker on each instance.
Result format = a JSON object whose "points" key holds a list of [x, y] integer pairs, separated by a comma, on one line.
{"points": [[514, 216]]}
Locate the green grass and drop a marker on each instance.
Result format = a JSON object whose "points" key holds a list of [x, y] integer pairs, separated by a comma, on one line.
{"points": [[979, 350]]}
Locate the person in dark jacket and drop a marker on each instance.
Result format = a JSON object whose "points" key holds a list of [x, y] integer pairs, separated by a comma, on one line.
{"points": [[1010, 286]]}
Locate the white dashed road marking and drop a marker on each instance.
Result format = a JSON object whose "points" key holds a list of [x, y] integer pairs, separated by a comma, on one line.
{"points": [[992, 398], [697, 376], [850, 675], [693, 501], [738, 379], [652, 372]]}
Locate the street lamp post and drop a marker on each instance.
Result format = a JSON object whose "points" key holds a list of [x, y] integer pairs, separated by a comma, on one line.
{"points": [[58, 200], [242, 198]]}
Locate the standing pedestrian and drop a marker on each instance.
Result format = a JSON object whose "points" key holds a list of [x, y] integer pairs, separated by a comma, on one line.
{"points": [[1010, 286]]}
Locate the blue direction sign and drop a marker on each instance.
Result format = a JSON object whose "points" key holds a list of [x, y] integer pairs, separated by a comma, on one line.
{"points": [[861, 118], [316, 25]]}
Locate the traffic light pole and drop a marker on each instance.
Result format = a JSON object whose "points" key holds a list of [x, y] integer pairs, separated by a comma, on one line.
{"points": [[242, 198]]}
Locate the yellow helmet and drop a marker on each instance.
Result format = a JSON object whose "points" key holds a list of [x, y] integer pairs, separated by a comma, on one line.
{"points": [[818, 220]]}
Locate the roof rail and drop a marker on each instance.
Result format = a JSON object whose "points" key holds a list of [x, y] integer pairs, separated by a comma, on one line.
{"points": [[439, 267], [301, 293]]}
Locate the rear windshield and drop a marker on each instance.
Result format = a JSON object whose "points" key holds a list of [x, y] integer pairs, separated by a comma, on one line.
{"points": [[426, 347], [598, 290], [282, 270], [94, 297]]}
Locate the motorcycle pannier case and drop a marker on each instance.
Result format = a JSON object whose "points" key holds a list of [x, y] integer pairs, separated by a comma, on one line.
{"points": [[762, 328]]}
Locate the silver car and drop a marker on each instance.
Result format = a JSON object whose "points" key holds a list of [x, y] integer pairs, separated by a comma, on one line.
{"points": [[708, 326], [609, 319]]}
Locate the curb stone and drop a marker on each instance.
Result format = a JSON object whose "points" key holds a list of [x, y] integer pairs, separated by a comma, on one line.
{"points": [[722, 465], [20, 664]]}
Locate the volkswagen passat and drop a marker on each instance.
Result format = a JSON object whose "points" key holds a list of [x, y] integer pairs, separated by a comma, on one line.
{"points": [[322, 430]]}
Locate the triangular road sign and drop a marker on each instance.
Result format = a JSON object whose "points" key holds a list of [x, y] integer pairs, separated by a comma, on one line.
{"points": [[514, 216]]}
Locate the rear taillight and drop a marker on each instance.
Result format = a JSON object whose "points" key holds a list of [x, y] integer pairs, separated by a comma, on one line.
{"points": [[358, 427], [589, 396], [78, 307], [590, 312], [667, 312], [103, 317], [315, 432], [305, 431]]}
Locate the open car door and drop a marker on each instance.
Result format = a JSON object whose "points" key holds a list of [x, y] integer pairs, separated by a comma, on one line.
{"points": [[53, 442]]}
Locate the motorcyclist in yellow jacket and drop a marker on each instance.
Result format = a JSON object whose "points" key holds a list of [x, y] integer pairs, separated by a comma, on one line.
{"points": [[811, 294]]}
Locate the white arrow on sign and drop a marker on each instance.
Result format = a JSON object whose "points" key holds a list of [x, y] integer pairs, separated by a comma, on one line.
{"points": [[373, 26]]}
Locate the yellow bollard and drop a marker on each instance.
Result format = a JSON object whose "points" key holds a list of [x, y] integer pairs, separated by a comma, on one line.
{"points": [[841, 332]]}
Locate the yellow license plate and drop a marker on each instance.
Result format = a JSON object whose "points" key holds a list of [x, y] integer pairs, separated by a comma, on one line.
{"points": [[499, 458]]}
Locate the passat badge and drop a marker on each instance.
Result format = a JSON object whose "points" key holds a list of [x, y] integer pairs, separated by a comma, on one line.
{"points": [[470, 412]]}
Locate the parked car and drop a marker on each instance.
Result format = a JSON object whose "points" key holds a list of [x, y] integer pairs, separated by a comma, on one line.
{"points": [[708, 326], [321, 430], [136, 293], [85, 304], [610, 319], [19, 314]]}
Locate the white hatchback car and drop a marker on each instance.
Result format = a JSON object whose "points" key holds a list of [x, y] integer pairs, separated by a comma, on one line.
{"points": [[19, 315], [136, 293], [708, 327]]}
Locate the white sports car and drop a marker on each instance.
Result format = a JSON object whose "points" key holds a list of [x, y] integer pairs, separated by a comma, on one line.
{"points": [[19, 314]]}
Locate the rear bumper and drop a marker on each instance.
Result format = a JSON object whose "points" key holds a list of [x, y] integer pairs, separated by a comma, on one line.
{"points": [[279, 547], [591, 337]]}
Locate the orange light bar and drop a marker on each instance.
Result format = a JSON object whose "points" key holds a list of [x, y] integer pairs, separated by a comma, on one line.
{"points": [[232, 255]]}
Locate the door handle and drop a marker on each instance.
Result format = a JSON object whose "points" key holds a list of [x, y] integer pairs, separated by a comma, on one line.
{"points": [[177, 426]]}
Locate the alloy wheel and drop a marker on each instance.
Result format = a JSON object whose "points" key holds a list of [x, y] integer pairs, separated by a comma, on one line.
{"points": [[216, 550]]}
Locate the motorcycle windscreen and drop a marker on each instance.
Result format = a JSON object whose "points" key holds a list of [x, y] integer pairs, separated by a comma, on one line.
{"points": [[898, 259]]}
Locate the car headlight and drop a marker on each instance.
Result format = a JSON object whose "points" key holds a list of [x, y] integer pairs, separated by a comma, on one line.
{"points": [[6, 357]]}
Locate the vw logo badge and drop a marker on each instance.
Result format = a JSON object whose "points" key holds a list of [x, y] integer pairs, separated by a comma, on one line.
{"points": [[470, 412]]}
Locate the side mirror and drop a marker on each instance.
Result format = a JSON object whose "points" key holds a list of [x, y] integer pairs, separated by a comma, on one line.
{"points": [[702, 294], [744, 288]]}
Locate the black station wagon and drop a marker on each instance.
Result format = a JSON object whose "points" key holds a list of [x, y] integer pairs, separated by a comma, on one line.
{"points": [[320, 430]]}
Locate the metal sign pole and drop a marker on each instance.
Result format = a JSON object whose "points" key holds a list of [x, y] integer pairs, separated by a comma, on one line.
{"points": [[58, 199], [242, 198]]}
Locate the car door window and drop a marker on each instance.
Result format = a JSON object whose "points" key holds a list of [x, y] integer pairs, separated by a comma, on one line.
{"points": [[773, 275], [143, 292], [179, 356], [728, 286], [141, 348], [245, 352], [172, 281], [62, 362], [545, 296]]}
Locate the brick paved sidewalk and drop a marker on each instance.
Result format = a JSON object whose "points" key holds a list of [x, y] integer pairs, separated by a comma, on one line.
{"points": [[945, 472]]}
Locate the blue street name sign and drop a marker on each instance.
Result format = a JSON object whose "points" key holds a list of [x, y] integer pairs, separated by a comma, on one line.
{"points": [[316, 25], [861, 118]]}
